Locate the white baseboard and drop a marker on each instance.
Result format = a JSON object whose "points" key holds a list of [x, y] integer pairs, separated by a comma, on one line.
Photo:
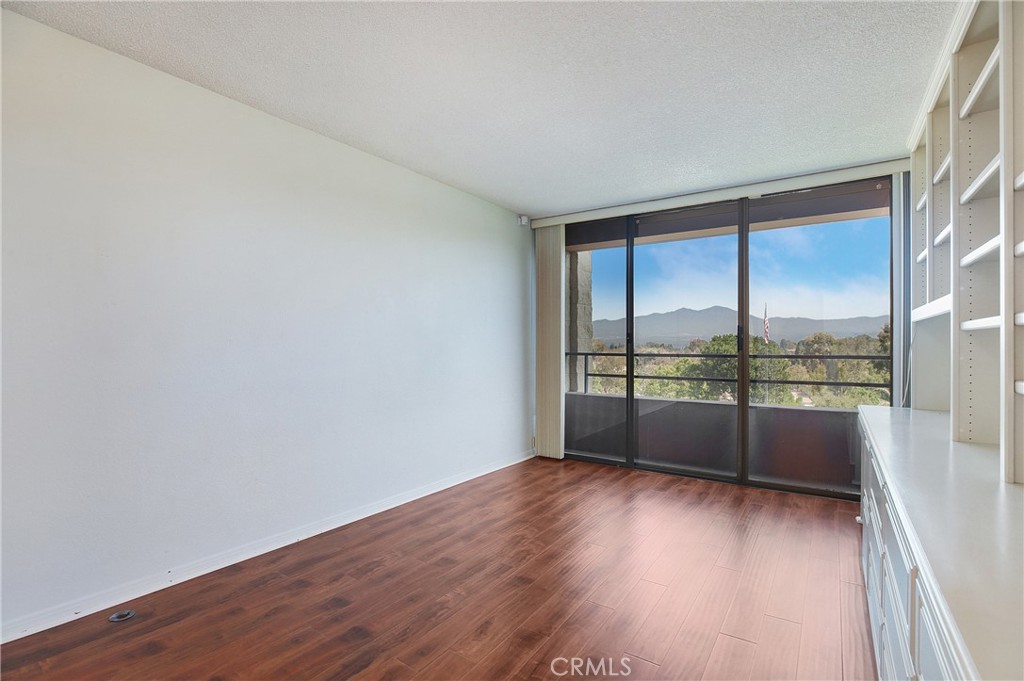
{"points": [[71, 610]]}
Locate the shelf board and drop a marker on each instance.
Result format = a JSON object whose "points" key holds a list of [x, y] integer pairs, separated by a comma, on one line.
{"points": [[937, 307], [922, 256], [985, 185], [1018, 184], [1018, 250], [980, 324], [985, 94], [1018, 387], [943, 236], [943, 172], [1018, 319], [921, 202], [986, 251]]}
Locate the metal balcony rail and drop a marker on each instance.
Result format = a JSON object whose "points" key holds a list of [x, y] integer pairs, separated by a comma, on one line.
{"points": [[588, 374]]}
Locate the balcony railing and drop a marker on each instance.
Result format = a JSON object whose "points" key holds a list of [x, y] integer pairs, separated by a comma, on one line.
{"points": [[588, 374]]}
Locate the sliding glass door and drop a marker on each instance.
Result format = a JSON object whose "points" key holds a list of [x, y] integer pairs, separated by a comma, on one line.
{"points": [[686, 353], [820, 277], [732, 341]]}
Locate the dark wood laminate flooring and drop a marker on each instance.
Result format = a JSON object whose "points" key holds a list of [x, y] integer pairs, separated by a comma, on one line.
{"points": [[500, 577]]}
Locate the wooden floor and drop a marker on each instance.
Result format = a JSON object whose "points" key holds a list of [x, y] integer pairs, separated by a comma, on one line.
{"points": [[501, 577]]}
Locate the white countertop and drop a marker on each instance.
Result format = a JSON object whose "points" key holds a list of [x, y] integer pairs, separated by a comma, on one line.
{"points": [[969, 524]]}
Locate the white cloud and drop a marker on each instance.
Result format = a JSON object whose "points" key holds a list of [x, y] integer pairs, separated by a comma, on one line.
{"points": [[863, 297]]}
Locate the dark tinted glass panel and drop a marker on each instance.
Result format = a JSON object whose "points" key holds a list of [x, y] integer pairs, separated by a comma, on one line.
{"points": [[595, 400]]}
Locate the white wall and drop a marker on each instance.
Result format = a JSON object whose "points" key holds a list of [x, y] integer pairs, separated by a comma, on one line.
{"points": [[222, 332]]}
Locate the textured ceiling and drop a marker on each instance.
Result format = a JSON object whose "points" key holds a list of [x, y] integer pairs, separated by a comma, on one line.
{"points": [[548, 108]]}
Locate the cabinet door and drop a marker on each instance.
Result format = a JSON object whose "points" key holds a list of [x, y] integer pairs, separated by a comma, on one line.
{"points": [[933, 654], [897, 552], [896, 634]]}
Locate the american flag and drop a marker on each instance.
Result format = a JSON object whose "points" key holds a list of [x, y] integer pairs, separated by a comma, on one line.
{"points": [[766, 322]]}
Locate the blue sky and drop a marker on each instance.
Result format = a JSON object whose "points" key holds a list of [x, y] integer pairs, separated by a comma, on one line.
{"points": [[832, 270]]}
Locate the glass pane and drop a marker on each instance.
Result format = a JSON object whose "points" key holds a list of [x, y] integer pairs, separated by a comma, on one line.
{"points": [[595, 400], [820, 298], [685, 376]]}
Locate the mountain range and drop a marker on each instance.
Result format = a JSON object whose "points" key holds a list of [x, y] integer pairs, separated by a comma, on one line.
{"points": [[681, 326]]}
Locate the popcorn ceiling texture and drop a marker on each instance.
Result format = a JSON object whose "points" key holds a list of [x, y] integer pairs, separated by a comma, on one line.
{"points": [[548, 108]]}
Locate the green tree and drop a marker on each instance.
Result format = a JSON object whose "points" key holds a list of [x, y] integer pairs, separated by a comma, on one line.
{"points": [[884, 347], [667, 388], [773, 369], [712, 368], [820, 343]]}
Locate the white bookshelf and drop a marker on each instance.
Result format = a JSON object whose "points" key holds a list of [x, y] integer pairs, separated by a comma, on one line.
{"points": [[919, 236], [967, 236], [967, 349], [1012, 25], [984, 94]]}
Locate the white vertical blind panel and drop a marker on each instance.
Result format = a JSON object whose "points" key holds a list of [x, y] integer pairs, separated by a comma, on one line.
{"points": [[550, 341]]}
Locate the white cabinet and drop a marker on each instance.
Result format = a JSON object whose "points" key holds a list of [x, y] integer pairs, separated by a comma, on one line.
{"points": [[942, 551]]}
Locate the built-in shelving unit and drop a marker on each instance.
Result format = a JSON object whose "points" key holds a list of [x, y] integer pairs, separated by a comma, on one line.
{"points": [[967, 236], [919, 240], [984, 95], [1012, 18], [966, 361], [931, 168]]}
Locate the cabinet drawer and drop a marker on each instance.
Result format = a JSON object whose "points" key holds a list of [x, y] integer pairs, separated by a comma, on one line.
{"points": [[878, 490], [873, 537], [872, 584], [867, 470], [885, 667], [933, 654], [897, 551], [931, 660], [895, 630]]}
